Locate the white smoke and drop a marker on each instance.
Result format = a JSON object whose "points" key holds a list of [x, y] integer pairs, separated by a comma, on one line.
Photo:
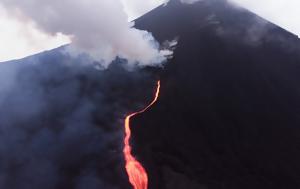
{"points": [[96, 27]]}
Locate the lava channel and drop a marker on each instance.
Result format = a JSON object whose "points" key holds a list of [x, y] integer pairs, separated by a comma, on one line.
{"points": [[136, 172]]}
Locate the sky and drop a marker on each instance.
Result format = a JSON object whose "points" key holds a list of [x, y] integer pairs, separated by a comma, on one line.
{"points": [[19, 38]]}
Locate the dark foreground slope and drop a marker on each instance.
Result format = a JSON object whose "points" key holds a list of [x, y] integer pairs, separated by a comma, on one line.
{"points": [[229, 111], [61, 122]]}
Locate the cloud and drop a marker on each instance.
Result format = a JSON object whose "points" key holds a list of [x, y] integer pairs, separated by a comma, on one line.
{"points": [[20, 39], [99, 28]]}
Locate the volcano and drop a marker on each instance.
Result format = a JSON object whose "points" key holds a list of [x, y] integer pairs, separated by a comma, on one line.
{"points": [[225, 115], [228, 113]]}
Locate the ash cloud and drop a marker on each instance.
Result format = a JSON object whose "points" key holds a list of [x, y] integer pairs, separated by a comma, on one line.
{"points": [[61, 122], [98, 28]]}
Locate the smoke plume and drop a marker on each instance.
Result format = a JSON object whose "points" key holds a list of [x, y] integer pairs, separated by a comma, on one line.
{"points": [[98, 28]]}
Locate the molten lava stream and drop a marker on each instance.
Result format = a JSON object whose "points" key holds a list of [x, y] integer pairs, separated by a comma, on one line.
{"points": [[137, 174]]}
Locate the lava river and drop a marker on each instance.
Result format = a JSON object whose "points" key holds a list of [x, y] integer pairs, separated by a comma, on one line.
{"points": [[136, 172]]}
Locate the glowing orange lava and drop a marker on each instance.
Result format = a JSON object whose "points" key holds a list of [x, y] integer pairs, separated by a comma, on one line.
{"points": [[137, 175]]}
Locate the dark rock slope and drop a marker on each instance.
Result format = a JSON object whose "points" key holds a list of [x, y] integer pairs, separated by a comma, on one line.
{"points": [[229, 110]]}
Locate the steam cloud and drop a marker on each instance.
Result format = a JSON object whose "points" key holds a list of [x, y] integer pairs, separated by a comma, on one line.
{"points": [[98, 28]]}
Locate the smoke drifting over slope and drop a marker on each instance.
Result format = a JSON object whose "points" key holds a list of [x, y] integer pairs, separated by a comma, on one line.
{"points": [[99, 28], [61, 122]]}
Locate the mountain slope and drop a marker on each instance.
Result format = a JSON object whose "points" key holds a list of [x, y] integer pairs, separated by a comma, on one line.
{"points": [[228, 115], [61, 121]]}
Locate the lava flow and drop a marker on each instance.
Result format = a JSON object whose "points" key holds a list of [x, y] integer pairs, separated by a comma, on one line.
{"points": [[136, 172]]}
